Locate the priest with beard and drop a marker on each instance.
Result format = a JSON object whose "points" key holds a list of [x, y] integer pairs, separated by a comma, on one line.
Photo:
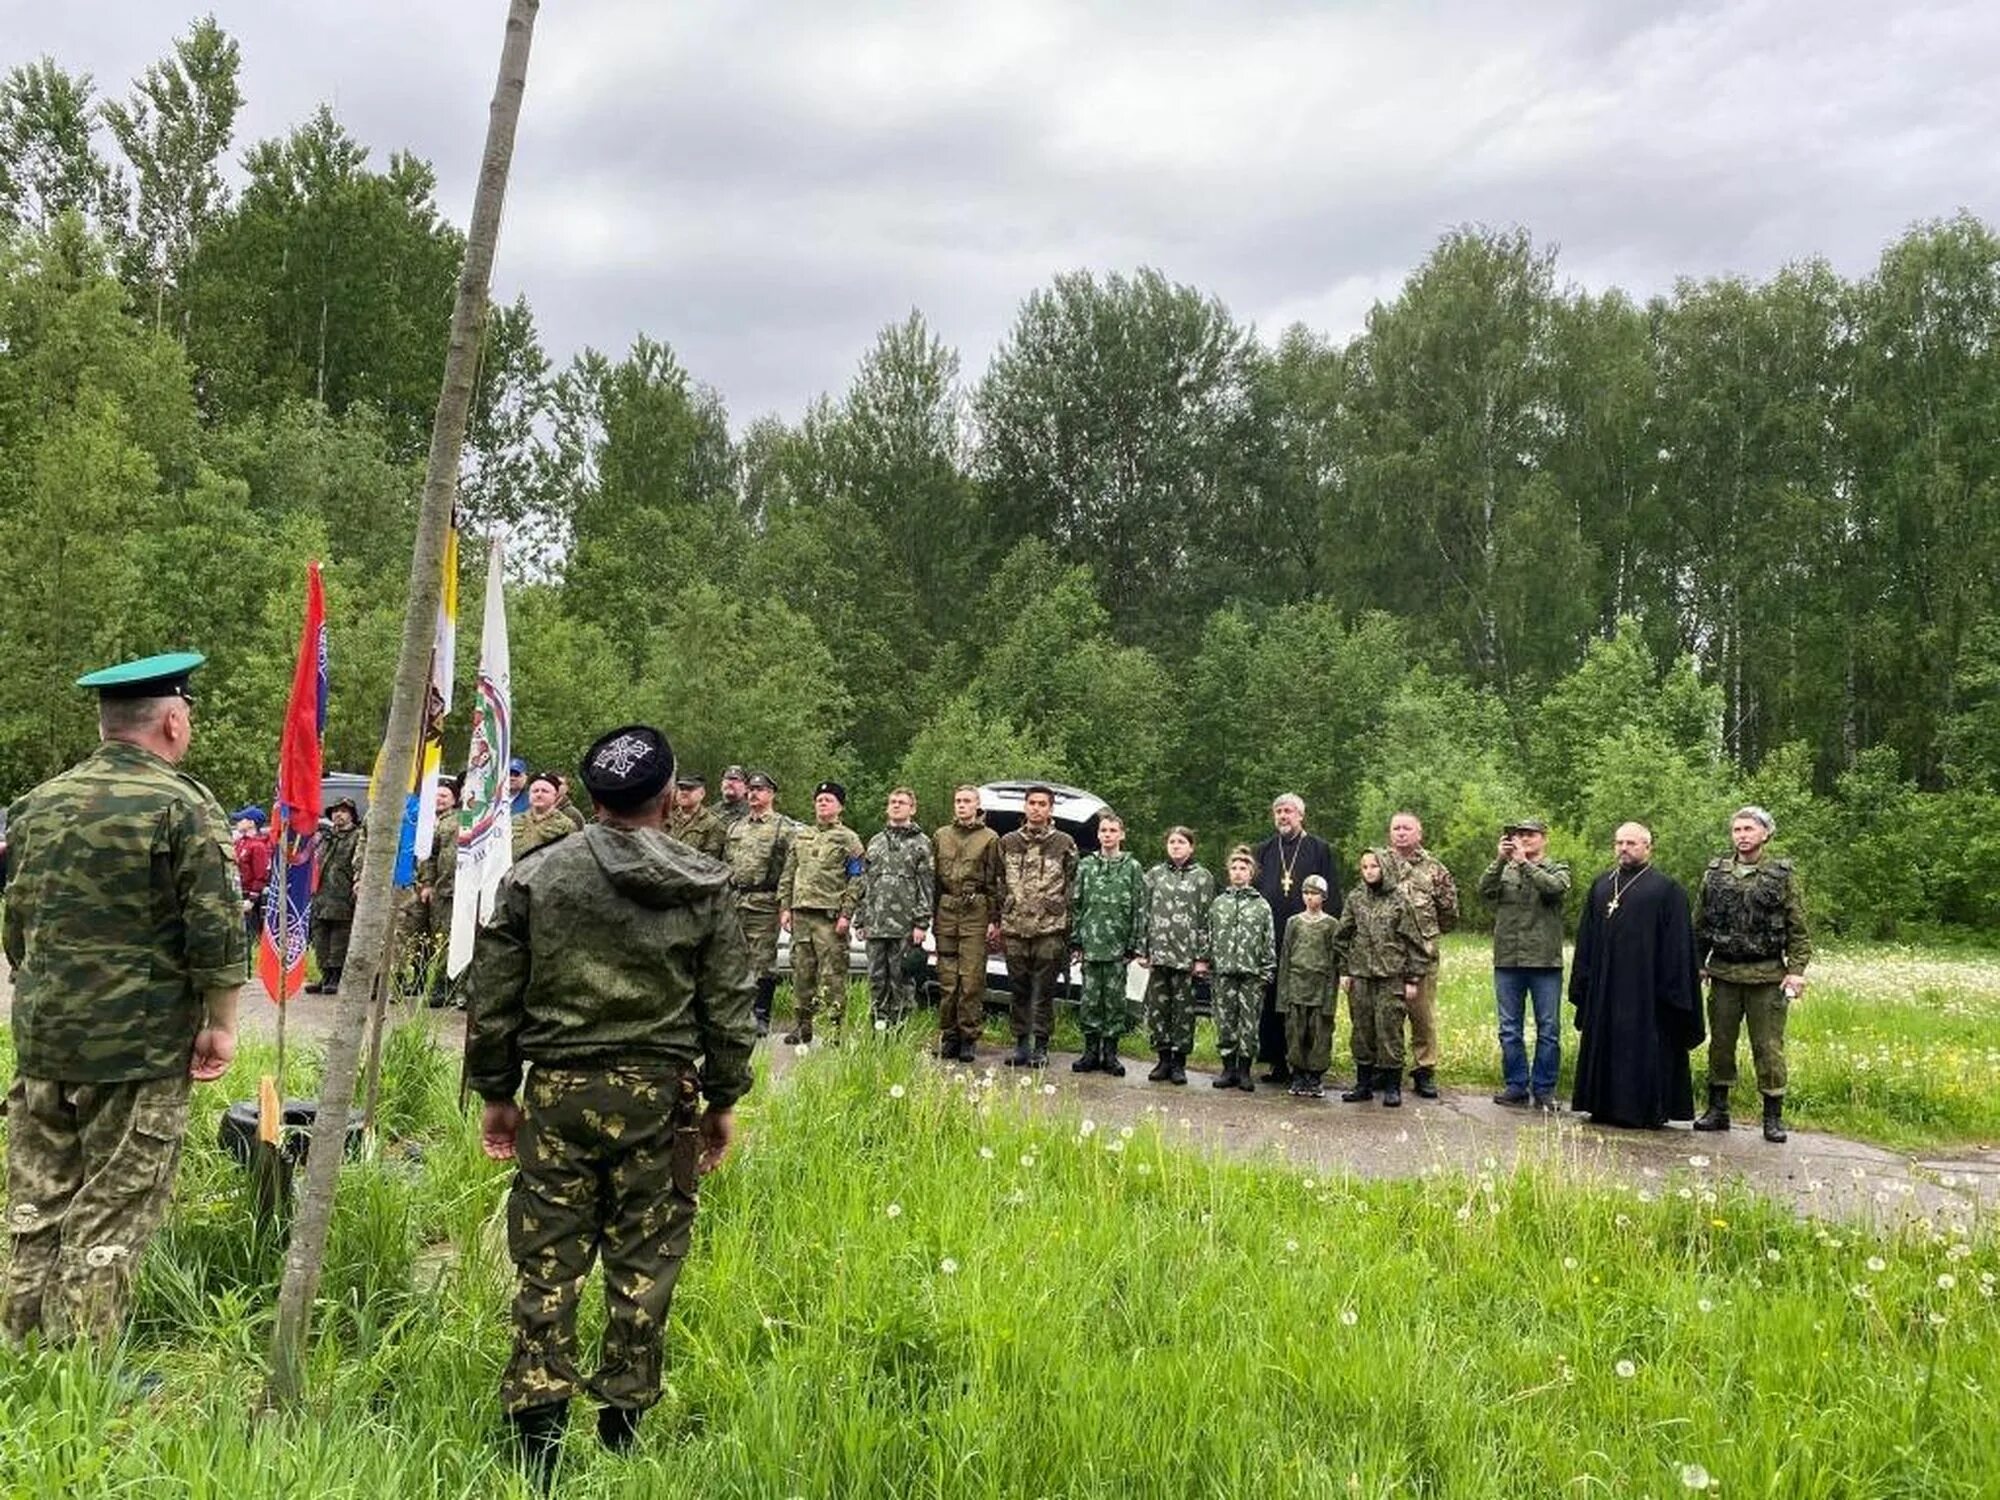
{"points": [[1283, 862], [1637, 992]]}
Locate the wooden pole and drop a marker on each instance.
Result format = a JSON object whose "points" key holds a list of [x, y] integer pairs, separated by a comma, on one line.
{"points": [[285, 1382]]}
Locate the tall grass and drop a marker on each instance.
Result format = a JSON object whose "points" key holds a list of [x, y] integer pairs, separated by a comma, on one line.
{"points": [[917, 1282]]}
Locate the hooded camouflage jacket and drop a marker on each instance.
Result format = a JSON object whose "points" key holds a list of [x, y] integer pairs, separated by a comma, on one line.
{"points": [[122, 911], [898, 889], [1109, 920], [823, 870], [1382, 934], [615, 948], [1178, 898], [339, 870], [1036, 873], [1432, 890], [1239, 933], [1309, 970]]}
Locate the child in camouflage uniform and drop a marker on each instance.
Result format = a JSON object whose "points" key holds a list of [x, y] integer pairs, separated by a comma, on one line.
{"points": [[1308, 983], [1384, 955], [1178, 895], [1107, 927], [1244, 954]]}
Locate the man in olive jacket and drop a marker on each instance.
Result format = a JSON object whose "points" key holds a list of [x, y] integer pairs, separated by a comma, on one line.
{"points": [[613, 964], [1526, 889]]}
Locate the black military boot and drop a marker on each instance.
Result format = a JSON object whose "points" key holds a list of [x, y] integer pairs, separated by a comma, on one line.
{"points": [[1108, 1060], [1364, 1087], [1226, 1079], [618, 1427], [760, 1007], [538, 1436], [1392, 1087], [1424, 1081], [802, 1031], [1279, 1073], [1090, 1062], [1020, 1056], [1163, 1068], [1716, 1117], [1774, 1119], [947, 1047], [332, 984], [1039, 1057], [1179, 1073], [1243, 1079]]}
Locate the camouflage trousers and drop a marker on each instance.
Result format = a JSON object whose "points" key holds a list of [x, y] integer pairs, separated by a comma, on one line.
{"points": [[1423, 1012], [90, 1170], [1238, 1004], [606, 1167], [1375, 1012], [1170, 1009], [819, 967], [1102, 1008], [892, 994], [961, 962], [1034, 966], [1308, 1038], [329, 945], [1764, 1006], [760, 936]]}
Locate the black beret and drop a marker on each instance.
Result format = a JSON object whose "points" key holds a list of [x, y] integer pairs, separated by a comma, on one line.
{"points": [[832, 789], [628, 767]]}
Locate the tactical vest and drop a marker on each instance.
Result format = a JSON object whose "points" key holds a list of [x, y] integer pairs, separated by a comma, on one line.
{"points": [[1745, 919]]}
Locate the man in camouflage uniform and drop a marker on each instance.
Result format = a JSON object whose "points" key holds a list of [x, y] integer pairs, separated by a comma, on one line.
{"points": [[124, 931], [816, 899], [333, 895], [898, 890], [1037, 874], [755, 851], [1386, 947], [612, 964], [427, 919], [1179, 896], [1751, 935], [692, 823], [1107, 930], [735, 796], [1243, 955], [968, 907], [1434, 895]]}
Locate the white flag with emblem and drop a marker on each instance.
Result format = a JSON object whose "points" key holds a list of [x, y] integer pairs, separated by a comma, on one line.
{"points": [[485, 809]]}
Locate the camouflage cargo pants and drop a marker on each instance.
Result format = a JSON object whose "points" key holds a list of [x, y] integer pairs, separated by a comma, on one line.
{"points": [[1238, 1002], [329, 945], [1102, 1009], [892, 993], [1308, 1038], [961, 961], [1764, 1006], [1423, 1013], [1376, 1011], [90, 1170], [760, 936], [1170, 1009], [819, 967], [1034, 965], [606, 1167]]}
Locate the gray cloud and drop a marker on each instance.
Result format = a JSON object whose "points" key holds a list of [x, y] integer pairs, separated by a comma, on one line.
{"points": [[764, 186]]}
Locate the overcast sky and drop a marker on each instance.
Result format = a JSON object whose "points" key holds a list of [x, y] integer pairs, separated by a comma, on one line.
{"points": [[764, 185]]}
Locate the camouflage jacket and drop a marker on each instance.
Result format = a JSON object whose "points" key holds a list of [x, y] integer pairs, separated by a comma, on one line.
{"points": [[122, 912], [898, 889], [1108, 918], [533, 829], [1751, 925], [1239, 933], [1432, 890], [968, 870], [439, 869], [1527, 902], [571, 814], [1381, 933], [755, 852], [701, 829], [823, 870], [339, 872], [1036, 873], [1178, 898], [1309, 968], [617, 947], [731, 813]]}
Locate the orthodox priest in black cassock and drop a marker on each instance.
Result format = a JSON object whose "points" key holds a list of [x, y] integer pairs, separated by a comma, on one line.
{"points": [[1283, 862], [1636, 987]]}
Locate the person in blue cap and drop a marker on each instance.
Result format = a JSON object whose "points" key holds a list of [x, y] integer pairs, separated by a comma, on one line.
{"points": [[124, 927], [517, 786]]}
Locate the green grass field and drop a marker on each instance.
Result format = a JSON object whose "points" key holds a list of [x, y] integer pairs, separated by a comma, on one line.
{"points": [[919, 1284]]}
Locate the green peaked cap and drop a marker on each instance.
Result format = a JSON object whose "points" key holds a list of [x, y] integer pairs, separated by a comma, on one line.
{"points": [[150, 677]]}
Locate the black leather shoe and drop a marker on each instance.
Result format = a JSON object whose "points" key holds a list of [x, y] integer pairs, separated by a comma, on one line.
{"points": [[1424, 1081], [618, 1427], [538, 1436], [1512, 1099], [1019, 1057]]}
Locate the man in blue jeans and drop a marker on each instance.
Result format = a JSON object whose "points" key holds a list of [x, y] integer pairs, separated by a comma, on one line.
{"points": [[1526, 891]]}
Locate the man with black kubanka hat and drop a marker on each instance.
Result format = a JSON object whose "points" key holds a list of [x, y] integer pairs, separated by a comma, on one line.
{"points": [[816, 900]]}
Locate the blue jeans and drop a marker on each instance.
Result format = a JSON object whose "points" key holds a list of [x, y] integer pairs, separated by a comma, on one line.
{"points": [[1511, 988]]}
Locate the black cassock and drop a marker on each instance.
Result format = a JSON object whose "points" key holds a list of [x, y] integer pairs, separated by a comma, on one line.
{"points": [[1277, 857], [1636, 987]]}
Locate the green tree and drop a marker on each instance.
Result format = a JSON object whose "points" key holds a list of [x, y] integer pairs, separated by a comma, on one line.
{"points": [[961, 742], [49, 165]]}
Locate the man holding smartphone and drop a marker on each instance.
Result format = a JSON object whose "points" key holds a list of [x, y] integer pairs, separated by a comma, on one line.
{"points": [[1526, 890]]}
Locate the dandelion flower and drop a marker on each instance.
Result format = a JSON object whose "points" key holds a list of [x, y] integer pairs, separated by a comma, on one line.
{"points": [[1087, 1127], [1937, 1320], [1569, 1262], [1489, 1163], [1124, 1132], [1623, 1221], [1048, 1088], [1145, 1169], [1773, 1256], [1118, 1145], [1876, 1263], [1464, 1214], [1719, 1223], [1694, 1477], [881, 1025], [1625, 1369], [1702, 1304], [1349, 1317], [1027, 1158], [894, 1210], [1291, 1247], [1645, 1196], [802, 1049], [1697, 1161], [948, 1266], [1946, 1282], [986, 1153], [895, 1091]]}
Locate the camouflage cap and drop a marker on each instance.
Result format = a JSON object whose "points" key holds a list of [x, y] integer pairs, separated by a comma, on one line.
{"points": [[628, 767], [732, 773], [1314, 884], [1242, 852], [163, 676], [1526, 825], [353, 811]]}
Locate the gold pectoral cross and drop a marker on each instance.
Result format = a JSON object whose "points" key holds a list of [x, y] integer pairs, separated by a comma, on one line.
{"points": [[1285, 884], [1611, 907]]}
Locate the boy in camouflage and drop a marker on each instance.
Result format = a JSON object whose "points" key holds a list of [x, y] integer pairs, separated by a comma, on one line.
{"points": [[1308, 982], [1178, 895], [1243, 954], [1107, 927], [898, 889], [1384, 954]]}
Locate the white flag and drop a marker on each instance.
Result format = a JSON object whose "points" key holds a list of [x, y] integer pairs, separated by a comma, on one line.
{"points": [[485, 809]]}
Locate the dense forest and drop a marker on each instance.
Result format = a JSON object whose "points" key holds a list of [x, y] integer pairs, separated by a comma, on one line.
{"points": [[1515, 547]]}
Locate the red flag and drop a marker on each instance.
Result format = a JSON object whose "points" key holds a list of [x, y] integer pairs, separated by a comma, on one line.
{"points": [[298, 806]]}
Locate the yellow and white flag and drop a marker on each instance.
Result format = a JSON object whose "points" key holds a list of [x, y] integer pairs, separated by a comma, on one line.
{"points": [[485, 808]]}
